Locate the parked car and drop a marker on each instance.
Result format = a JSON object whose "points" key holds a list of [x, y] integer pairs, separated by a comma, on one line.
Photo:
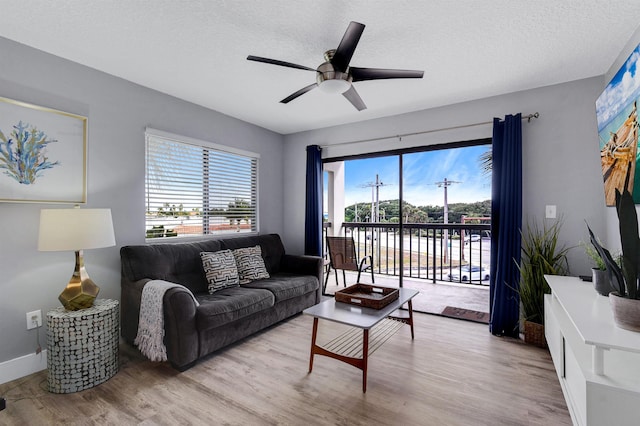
{"points": [[469, 273], [472, 238]]}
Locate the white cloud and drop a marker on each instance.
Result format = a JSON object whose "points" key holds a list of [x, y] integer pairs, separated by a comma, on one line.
{"points": [[617, 96], [632, 60]]}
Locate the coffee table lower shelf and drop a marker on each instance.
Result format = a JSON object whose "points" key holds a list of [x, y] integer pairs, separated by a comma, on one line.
{"points": [[350, 345]]}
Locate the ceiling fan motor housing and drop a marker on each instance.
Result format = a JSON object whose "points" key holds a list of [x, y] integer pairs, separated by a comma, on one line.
{"points": [[332, 81]]}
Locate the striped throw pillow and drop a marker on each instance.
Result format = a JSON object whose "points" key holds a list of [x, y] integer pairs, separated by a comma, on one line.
{"points": [[220, 269], [250, 264]]}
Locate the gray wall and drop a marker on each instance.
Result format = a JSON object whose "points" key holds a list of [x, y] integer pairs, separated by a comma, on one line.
{"points": [[118, 113], [561, 160]]}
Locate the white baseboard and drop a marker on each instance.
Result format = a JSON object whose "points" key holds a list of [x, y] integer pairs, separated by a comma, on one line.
{"points": [[22, 366]]}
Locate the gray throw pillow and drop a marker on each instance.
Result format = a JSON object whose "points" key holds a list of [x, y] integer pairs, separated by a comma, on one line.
{"points": [[220, 269], [250, 264]]}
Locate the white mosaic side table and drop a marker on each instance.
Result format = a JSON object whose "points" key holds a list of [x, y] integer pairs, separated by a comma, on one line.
{"points": [[82, 346]]}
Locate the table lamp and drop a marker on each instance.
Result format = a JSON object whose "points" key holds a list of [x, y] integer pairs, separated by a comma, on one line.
{"points": [[75, 230]]}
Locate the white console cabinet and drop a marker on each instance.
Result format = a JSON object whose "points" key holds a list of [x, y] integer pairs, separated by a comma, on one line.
{"points": [[598, 364]]}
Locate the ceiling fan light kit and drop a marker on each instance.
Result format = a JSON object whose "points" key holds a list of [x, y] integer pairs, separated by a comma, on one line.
{"points": [[333, 87], [335, 76], [330, 80]]}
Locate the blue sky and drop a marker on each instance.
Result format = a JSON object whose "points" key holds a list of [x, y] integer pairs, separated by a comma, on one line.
{"points": [[421, 172]]}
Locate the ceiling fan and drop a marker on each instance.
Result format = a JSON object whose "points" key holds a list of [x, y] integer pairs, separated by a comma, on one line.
{"points": [[335, 75]]}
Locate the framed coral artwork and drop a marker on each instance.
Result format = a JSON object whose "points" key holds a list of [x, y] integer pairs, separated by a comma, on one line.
{"points": [[43, 154]]}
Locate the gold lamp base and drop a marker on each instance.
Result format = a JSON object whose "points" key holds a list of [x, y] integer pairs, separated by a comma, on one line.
{"points": [[81, 290]]}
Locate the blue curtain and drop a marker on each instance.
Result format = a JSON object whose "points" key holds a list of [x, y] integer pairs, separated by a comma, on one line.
{"points": [[506, 224], [313, 206]]}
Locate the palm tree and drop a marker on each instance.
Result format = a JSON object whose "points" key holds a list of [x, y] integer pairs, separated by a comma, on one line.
{"points": [[238, 211], [486, 162]]}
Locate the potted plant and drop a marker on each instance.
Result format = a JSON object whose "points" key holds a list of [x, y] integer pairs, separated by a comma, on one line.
{"points": [[600, 277], [625, 300], [541, 255]]}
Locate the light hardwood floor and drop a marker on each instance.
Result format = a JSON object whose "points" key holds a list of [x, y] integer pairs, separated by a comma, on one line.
{"points": [[453, 373]]}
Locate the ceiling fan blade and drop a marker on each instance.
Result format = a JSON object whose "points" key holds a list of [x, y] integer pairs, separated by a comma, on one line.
{"points": [[360, 74], [354, 98], [347, 46], [277, 62], [298, 93]]}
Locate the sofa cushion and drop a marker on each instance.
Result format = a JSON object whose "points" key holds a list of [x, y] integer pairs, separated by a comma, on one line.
{"points": [[286, 286], [220, 269], [250, 264], [230, 304], [178, 263]]}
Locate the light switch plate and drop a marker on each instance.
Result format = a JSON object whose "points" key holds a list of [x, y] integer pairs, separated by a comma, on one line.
{"points": [[550, 212]]}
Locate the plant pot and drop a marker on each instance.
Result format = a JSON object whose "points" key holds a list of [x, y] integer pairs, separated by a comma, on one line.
{"points": [[626, 312], [534, 334], [601, 281]]}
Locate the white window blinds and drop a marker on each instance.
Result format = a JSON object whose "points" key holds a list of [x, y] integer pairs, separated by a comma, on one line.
{"points": [[194, 187]]}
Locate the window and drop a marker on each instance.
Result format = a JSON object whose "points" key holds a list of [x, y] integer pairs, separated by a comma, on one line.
{"points": [[194, 187]]}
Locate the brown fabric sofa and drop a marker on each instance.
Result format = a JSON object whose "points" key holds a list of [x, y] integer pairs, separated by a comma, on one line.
{"points": [[227, 315]]}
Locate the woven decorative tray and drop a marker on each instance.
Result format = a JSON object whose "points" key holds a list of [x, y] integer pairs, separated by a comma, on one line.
{"points": [[367, 295]]}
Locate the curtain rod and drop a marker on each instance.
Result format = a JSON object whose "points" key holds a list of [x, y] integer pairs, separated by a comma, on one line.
{"points": [[527, 117]]}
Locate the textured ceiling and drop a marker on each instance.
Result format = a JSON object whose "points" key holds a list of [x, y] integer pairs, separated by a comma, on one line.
{"points": [[196, 50]]}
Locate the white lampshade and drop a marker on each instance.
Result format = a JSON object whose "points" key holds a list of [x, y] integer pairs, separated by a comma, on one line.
{"points": [[75, 229]]}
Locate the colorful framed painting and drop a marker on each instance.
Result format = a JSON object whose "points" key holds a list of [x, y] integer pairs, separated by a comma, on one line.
{"points": [[617, 115], [43, 154]]}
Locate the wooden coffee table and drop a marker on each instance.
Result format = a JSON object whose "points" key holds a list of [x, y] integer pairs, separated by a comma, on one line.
{"points": [[377, 326]]}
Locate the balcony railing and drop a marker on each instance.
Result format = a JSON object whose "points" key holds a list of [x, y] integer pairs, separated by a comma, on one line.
{"points": [[435, 252]]}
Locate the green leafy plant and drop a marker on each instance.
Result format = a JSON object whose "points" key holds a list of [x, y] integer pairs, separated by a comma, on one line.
{"points": [[541, 255], [625, 279], [593, 254]]}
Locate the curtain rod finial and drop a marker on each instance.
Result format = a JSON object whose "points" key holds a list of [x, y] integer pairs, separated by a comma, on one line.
{"points": [[534, 115]]}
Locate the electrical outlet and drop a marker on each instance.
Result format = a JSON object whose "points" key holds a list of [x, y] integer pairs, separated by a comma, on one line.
{"points": [[550, 212], [34, 319]]}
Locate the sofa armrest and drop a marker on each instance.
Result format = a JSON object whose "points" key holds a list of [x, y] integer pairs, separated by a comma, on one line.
{"points": [[130, 295], [305, 265], [181, 333]]}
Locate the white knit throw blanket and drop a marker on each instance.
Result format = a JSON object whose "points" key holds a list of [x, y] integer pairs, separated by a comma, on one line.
{"points": [[150, 338]]}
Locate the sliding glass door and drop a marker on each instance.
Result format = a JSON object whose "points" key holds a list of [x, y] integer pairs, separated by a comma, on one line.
{"points": [[422, 214]]}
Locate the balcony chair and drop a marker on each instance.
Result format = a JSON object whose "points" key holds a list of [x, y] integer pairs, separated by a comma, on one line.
{"points": [[342, 255]]}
